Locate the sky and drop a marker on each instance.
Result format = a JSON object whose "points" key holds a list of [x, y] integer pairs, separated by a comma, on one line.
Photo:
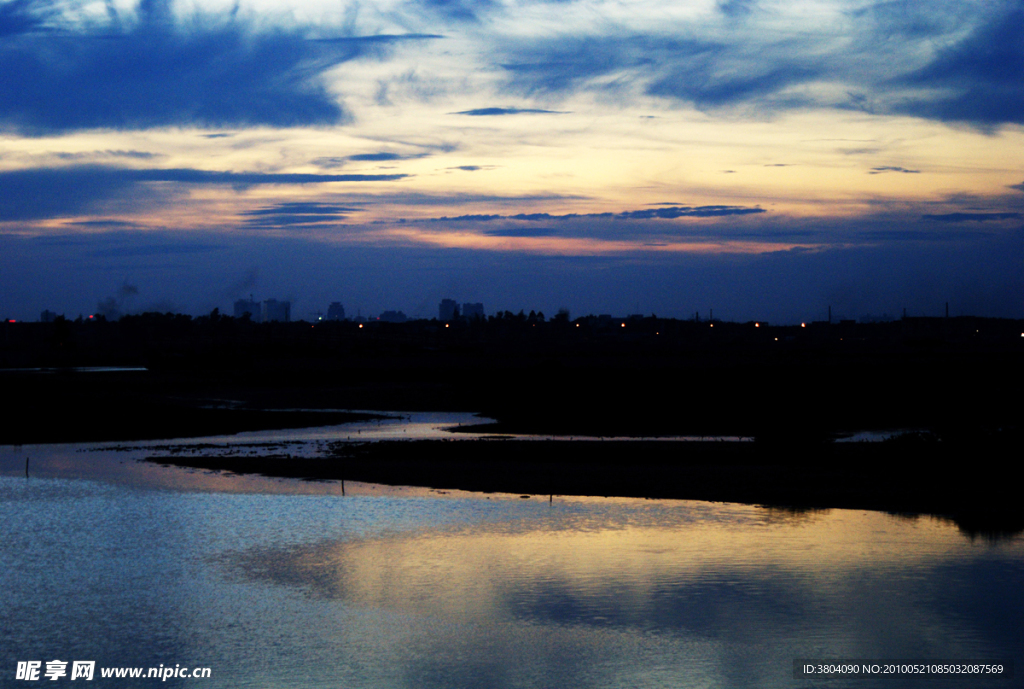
{"points": [[764, 159]]}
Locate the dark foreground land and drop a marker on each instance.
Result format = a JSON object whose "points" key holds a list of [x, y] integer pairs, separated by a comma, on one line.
{"points": [[641, 376], [957, 381], [910, 475]]}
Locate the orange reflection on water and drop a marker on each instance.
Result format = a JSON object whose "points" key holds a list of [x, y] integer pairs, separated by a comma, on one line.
{"points": [[624, 556]]}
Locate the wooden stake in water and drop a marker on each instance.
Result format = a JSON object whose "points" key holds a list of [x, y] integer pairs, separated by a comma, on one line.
{"points": [[26, 467]]}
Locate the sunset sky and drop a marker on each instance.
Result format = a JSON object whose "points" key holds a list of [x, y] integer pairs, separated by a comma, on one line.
{"points": [[761, 158]]}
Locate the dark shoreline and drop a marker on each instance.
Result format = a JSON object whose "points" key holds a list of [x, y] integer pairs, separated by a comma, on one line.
{"points": [[895, 477], [643, 377], [791, 388]]}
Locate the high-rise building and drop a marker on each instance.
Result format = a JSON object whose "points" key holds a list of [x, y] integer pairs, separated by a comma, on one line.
{"points": [[473, 310], [274, 310], [335, 312], [248, 307], [448, 310]]}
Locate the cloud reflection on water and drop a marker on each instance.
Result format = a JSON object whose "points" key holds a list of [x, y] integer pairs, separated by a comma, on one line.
{"points": [[740, 588]]}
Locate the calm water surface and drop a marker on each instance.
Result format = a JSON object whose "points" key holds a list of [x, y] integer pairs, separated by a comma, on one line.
{"points": [[274, 583]]}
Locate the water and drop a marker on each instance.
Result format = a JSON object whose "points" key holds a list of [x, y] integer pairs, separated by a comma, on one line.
{"points": [[278, 583]]}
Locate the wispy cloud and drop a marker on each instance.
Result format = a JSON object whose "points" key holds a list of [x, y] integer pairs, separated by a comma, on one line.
{"points": [[491, 112], [19, 17], [978, 79], [296, 214], [892, 168], [384, 156], [669, 213], [971, 217], [38, 193], [880, 60], [93, 155], [456, 10], [522, 232], [151, 70], [103, 224]]}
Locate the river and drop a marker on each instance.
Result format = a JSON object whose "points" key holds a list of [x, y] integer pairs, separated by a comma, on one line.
{"points": [[285, 583]]}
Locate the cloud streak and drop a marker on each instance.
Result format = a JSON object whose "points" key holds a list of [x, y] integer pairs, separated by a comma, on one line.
{"points": [[154, 71], [971, 217], [493, 112], [978, 79], [24, 16], [39, 193], [892, 168], [883, 61], [296, 214], [669, 213]]}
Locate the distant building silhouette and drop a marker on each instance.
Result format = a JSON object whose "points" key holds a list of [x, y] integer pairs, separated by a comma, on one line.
{"points": [[448, 310], [274, 310], [475, 310], [335, 312], [248, 307], [393, 317], [47, 316], [871, 318], [108, 308]]}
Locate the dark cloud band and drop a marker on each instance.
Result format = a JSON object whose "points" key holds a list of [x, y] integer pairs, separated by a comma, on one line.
{"points": [[63, 191], [669, 213], [493, 112], [213, 71]]}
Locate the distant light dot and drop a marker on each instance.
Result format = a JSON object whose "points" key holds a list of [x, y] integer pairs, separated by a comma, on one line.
{"points": [[803, 325], [360, 325], [623, 325], [757, 325]]}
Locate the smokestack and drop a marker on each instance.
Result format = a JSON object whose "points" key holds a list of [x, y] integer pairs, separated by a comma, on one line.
{"points": [[947, 309]]}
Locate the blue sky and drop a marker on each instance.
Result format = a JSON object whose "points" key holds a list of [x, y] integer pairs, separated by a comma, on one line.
{"points": [[764, 159]]}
